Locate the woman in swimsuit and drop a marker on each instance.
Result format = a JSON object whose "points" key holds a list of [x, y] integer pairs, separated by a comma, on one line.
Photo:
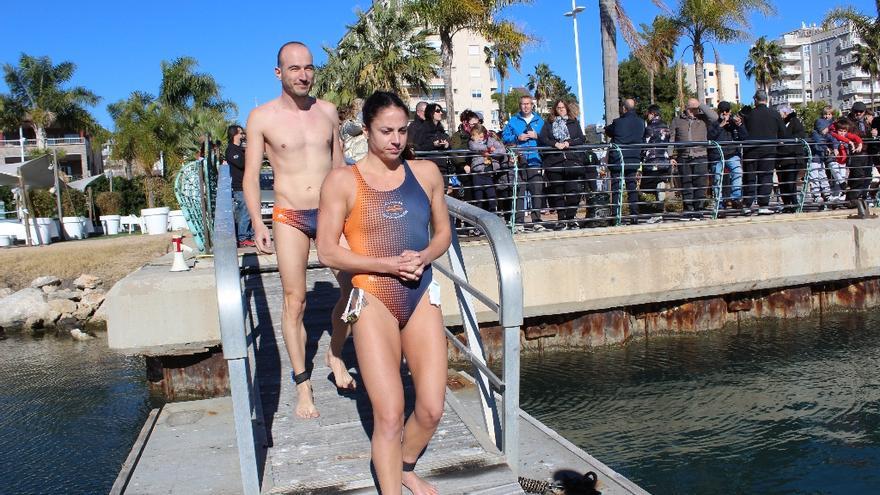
{"points": [[384, 205]]}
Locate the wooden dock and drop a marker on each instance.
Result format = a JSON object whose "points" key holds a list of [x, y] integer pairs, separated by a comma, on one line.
{"points": [[189, 447]]}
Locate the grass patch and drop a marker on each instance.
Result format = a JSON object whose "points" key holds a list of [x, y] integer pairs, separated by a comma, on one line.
{"points": [[110, 258]]}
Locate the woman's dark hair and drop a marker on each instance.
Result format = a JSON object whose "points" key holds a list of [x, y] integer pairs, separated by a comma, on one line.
{"points": [[379, 100], [231, 131], [384, 99], [429, 115]]}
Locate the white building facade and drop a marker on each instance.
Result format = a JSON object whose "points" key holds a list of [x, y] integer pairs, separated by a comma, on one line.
{"points": [[473, 80], [819, 64], [722, 82]]}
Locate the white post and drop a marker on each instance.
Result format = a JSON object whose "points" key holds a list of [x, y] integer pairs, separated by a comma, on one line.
{"points": [[577, 55], [21, 142]]}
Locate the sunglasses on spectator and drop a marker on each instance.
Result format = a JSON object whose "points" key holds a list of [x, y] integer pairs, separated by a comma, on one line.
{"points": [[439, 110]]}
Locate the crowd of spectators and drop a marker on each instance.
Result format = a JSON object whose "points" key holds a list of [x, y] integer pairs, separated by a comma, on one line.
{"points": [[755, 162]]}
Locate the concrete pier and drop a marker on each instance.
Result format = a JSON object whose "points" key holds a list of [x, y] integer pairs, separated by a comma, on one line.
{"points": [[190, 447]]}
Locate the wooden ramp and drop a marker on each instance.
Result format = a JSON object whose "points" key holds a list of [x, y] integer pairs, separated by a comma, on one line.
{"points": [[331, 454]]}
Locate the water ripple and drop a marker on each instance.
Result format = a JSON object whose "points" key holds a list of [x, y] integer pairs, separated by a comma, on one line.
{"points": [[769, 408]]}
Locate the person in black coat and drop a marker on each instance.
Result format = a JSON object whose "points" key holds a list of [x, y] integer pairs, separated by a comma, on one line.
{"points": [[792, 158], [417, 126], [434, 138], [762, 124], [563, 166], [626, 129]]}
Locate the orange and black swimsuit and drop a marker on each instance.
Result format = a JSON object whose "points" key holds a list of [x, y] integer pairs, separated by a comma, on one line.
{"points": [[385, 223], [306, 221]]}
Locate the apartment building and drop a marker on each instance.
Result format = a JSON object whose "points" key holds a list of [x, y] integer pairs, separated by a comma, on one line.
{"points": [[76, 158], [819, 64], [722, 82], [473, 80]]}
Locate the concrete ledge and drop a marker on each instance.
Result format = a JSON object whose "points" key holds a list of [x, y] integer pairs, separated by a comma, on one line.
{"points": [[593, 270], [155, 312]]}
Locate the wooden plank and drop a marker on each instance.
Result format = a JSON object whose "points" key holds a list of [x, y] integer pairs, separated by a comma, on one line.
{"points": [[134, 455]]}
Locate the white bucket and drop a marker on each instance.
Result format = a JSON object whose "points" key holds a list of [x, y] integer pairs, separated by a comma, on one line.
{"points": [[74, 227], [45, 227], [155, 220], [54, 226], [176, 220], [110, 224], [6, 240]]}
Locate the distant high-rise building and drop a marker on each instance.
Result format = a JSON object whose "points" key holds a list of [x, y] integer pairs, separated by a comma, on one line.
{"points": [[722, 82], [819, 64]]}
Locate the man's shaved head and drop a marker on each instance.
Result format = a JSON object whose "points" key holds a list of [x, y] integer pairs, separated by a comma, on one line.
{"points": [[693, 103], [289, 43], [629, 104]]}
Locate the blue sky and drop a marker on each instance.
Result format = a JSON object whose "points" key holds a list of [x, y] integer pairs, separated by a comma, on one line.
{"points": [[118, 46]]}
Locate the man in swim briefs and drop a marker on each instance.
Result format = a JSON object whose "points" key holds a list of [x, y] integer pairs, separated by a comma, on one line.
{"points": [[300, 135]]}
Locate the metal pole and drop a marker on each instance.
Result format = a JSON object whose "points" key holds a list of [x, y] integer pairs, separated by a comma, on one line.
{"points": [[577, 56], [23, 206], [58, 193], [21, 142]]}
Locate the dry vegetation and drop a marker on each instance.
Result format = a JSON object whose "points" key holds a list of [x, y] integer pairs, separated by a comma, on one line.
{"points": [[110, 258]]}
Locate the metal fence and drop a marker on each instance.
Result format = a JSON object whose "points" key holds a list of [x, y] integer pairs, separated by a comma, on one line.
{"points": [[605, 184], [502, 424]]}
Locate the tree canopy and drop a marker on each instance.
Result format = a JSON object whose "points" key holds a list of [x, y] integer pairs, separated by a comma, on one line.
{"points": [[39, 94]]}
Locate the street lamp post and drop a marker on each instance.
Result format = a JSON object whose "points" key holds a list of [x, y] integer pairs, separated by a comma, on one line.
{"points": [[575, 10]]}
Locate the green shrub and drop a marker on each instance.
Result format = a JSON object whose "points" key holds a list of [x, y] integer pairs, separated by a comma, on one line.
{"points": [[7, 197], [74, 203], [109, 203], [44, 203]]}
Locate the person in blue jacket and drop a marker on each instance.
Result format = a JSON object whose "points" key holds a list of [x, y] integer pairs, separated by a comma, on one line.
{"points": [[522, 131]]}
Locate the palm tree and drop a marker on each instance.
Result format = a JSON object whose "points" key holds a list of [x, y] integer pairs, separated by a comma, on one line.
{"points": [[658, 47], [383, 50], [867, 29], [36, 95], [764, 62], [722, 21], [449, 17], [611, 12], [184, 89], [501, 55], [539, 84], [144, 130], [866, 57]]}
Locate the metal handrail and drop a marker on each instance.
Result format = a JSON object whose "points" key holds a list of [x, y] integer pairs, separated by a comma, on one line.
{"points": [[230, 304], [503, 428]]}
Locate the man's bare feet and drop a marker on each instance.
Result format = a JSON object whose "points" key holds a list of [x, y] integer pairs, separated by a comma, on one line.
{"points": [[341, 376], [305, 404], [417, 485]]}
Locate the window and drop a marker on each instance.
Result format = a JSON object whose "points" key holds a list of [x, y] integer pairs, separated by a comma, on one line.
{"points": [[711, 73], [820, 62], [473, 49], [827, 46], [711, 91], [827, 60], [476, 93], [828, 76], [475, 72], [821, 76]]}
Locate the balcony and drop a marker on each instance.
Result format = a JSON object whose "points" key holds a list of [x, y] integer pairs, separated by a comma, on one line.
{"points": [[49, 142], [846, 44], [853, 73], [793, 56], [791, 71]]}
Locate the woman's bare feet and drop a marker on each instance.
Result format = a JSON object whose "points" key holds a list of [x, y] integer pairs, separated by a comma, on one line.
{"points": [[341, 376], [417, 485], [305, 404]]}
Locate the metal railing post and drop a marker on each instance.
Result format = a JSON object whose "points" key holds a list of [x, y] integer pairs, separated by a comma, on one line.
{"points": [[515, 191], [621, 184], [719, 180], [809, 160], [232, 332]]}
